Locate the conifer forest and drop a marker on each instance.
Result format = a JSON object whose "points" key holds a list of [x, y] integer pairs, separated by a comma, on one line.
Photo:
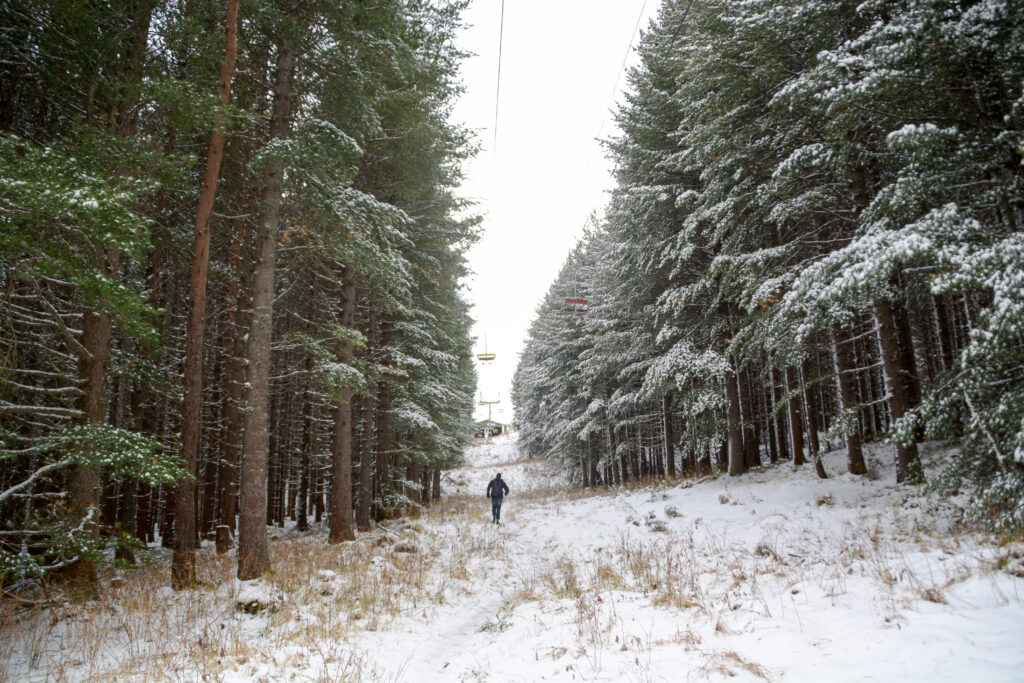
{"points": [[230, 252], [814, 241], [239, 368]]}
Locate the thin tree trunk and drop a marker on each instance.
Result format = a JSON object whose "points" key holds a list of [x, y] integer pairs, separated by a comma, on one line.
{"points": [[183, 567], [670, 437], [253, 556], [751, 445], [302, 523], [846, 382], [780, 423], [234, 348], [735, 441], [366, 452], [381, 471], [796, 433], [341, 452], [812, 426]]}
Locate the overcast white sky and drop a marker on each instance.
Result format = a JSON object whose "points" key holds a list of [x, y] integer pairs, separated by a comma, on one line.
{"points": [[560, 61]]}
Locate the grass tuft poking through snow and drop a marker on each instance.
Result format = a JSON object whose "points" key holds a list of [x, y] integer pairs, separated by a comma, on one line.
{"points": [[774, 575]]}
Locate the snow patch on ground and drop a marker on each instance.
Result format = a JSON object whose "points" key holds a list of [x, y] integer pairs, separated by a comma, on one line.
{"points": [[775, 575]]}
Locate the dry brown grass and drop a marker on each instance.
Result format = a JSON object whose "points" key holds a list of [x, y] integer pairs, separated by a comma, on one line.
{"points": [[322, 597], [326, 596]]}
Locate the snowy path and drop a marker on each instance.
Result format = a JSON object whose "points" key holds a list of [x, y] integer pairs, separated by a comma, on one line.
{"points": [[773, 576], [452, 644]]}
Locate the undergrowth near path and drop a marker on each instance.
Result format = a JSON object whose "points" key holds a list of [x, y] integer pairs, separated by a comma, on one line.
{"points": [[621, 584]]}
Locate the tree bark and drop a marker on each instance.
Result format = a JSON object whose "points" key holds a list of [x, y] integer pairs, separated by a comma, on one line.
{"points": [[84, 480], [847, 385], [302, 523], [381, 469], [234, 348], [780, 422], [253, 556], [814, 448], [670, 437], [183, 567], [947, 342], [908, 464], [751, 442], [366, 452], [341, 451], [735, 448], [796, 433]]}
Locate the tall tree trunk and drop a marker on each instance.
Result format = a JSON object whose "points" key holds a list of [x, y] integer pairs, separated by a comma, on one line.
{"points": [[366, 452], [796, 433], [810, 410], [947, 343], [846, 382], [780, 422], [905, 338], [84, 480], [383, 423], [670, 437], [908, 464], [302, 523], [764, 398], [183, 567], [751, 442], [253, 556], [735, 447], [341, 452], [234, 349]]}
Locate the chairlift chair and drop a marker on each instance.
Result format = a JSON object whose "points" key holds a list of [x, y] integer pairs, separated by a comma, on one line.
{"points": [[575, 307]]}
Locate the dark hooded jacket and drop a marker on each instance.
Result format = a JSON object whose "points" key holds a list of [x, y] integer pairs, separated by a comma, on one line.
{"points": [[497, 487]]}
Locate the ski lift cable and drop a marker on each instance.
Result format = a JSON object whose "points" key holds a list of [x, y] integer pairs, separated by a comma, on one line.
{"points": [[664, 57], [622, 68], [497, 93], [675, 37]]}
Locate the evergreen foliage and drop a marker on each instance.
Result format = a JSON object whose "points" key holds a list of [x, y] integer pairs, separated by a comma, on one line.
{"points": [[105, 111], [816, 231]]}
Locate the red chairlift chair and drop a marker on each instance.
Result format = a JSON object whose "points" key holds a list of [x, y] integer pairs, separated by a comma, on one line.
{"points": [[575, 307]]}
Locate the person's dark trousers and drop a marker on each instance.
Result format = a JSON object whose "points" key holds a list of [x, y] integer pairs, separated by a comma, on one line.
{"points": [[496, 509]]}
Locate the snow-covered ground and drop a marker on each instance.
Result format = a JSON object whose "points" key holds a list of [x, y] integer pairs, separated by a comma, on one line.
{"points": [[501, 456], [774, 575]]}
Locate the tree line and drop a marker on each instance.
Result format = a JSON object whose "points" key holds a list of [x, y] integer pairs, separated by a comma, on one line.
{"points": [[230, 254], [815, 240]]}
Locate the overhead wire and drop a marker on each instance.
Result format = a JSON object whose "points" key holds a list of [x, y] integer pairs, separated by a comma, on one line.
{"points": [[622, 68], [676, 34], [497, 94], [675, 38]]}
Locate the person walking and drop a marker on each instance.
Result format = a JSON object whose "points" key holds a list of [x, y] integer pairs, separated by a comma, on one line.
{"points": [[496, 490]]}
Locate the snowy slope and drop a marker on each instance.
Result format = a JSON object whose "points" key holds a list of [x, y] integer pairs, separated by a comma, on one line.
{"points": [[774, 575], [501, 456]]}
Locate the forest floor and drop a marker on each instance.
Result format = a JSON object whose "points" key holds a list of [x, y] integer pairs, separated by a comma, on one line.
{"points": [[774, 575]]}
